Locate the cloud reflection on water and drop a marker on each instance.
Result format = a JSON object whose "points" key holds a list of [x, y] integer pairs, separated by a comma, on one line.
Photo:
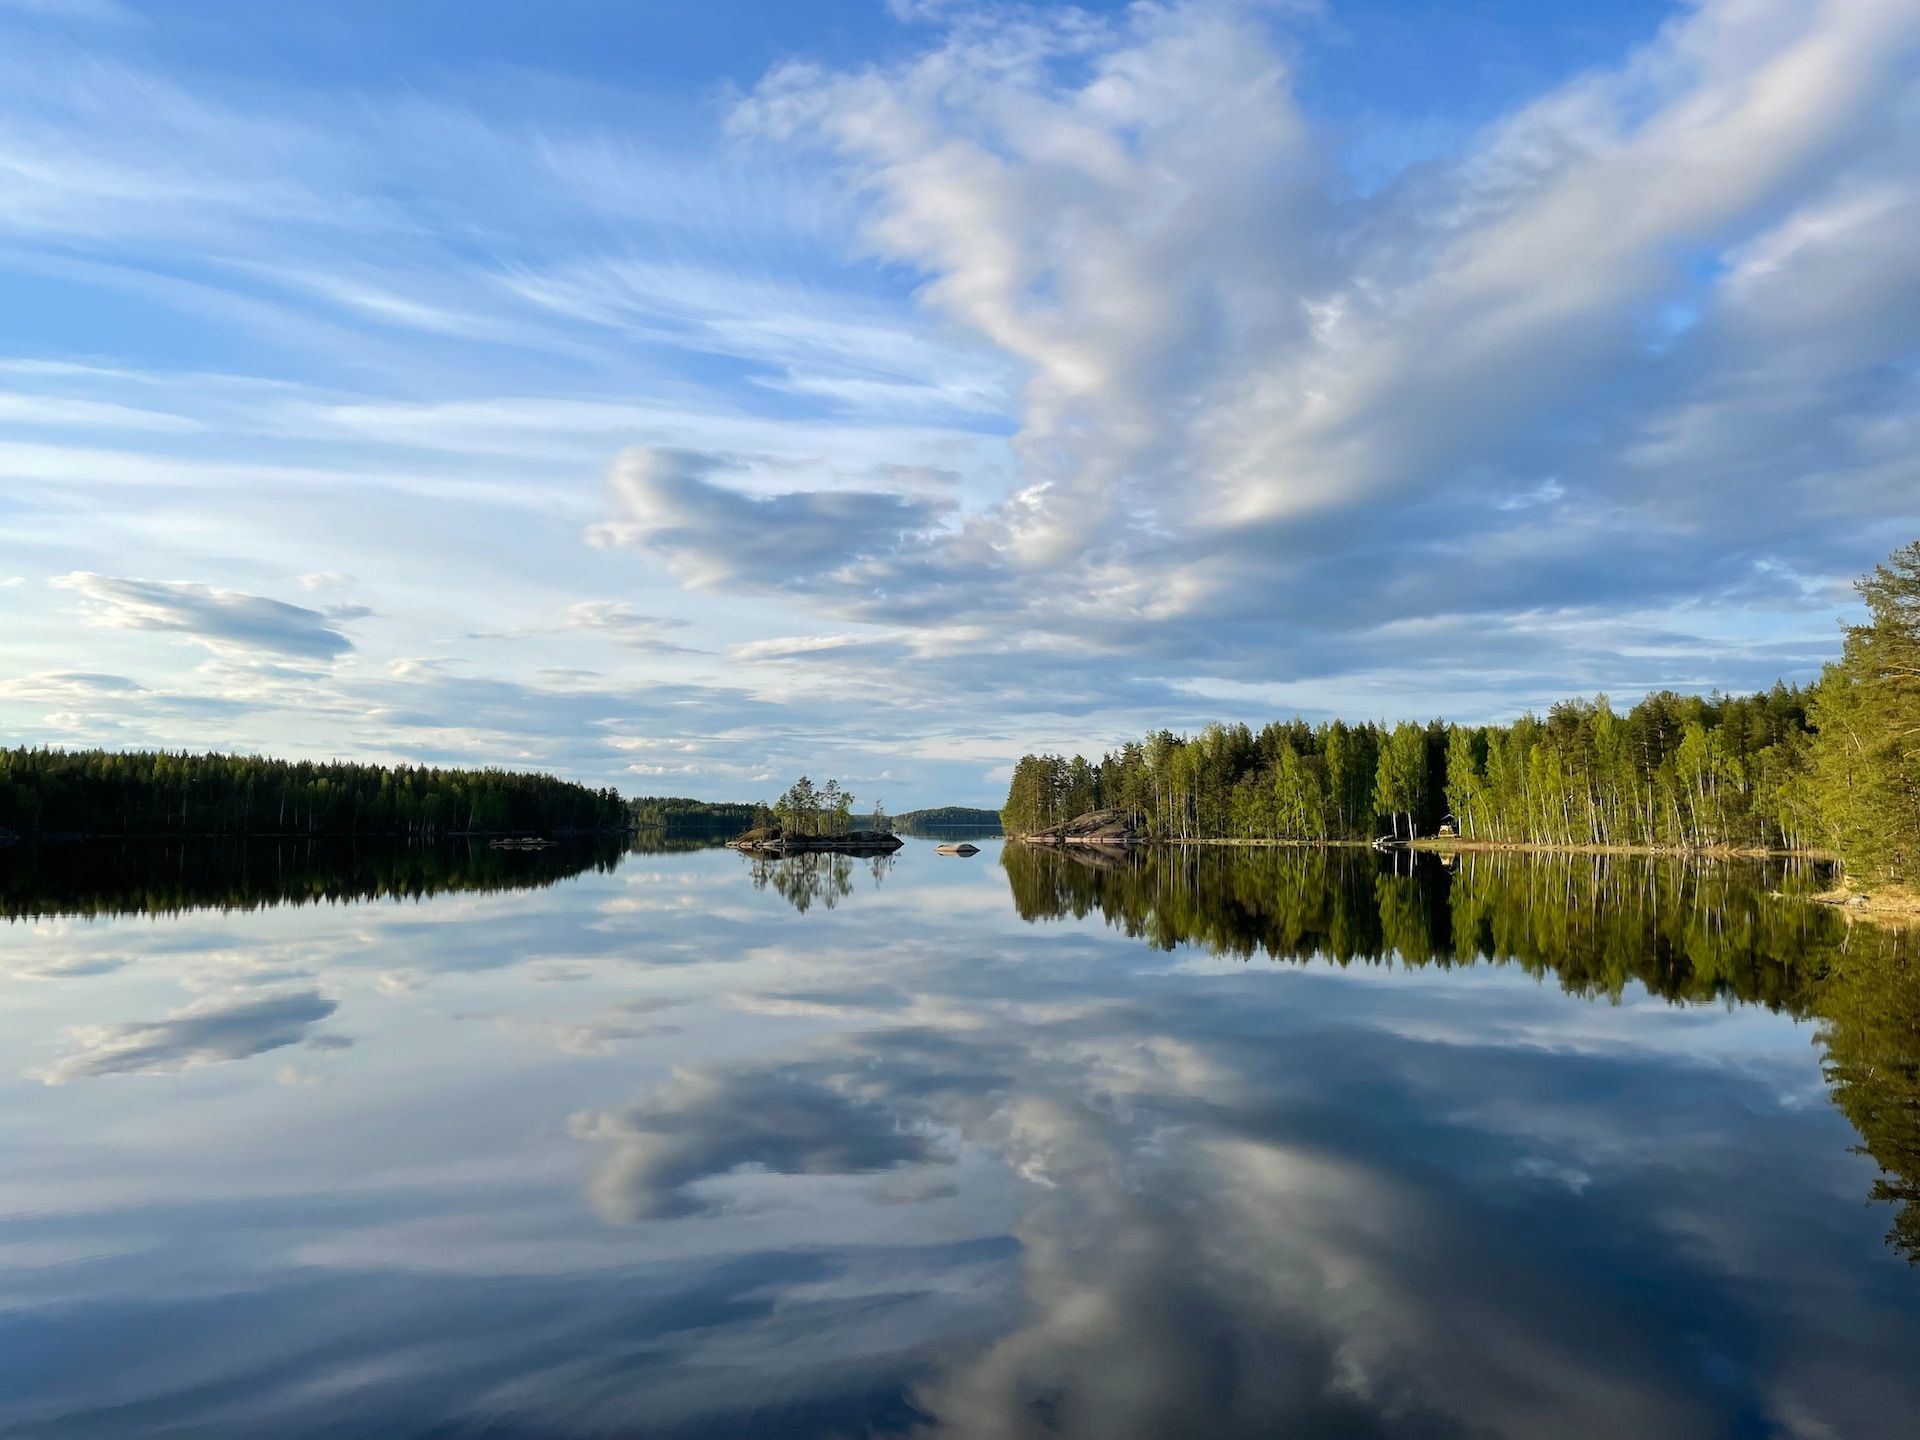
{"points": [[915, 1166]]}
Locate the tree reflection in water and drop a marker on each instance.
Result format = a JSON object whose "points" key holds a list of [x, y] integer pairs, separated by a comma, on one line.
{"points": [[1688, 932], [816, 875], [145, 877]]}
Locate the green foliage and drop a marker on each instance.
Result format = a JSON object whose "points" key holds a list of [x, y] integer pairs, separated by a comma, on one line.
{"points": [[101, 792], [1400, 781], [807, 809], [1837, 765], [677, 815], [1865, 785], [1679, 772], [944, 815]]}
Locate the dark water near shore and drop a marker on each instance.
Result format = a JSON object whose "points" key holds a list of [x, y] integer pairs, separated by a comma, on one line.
{"points": [[463, 1143]]}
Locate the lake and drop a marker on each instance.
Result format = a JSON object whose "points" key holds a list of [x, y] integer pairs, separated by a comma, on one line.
{"points": [[300, 1141]]}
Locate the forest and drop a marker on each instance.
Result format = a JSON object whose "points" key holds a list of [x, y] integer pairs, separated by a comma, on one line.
{"points": [[1832, 766], [99, 793], [948, 815], [677, 815]]}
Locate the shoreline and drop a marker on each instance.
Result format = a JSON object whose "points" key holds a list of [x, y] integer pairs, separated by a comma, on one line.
{"points": [[854, 842], [1893, 908], [1432, 845]]}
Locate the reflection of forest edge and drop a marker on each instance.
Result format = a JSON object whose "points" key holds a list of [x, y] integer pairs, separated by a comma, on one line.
{"points": [[98, 878], [1687, 932]]}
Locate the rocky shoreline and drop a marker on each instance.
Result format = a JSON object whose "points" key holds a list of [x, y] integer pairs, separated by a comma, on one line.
{"points": [[1096, 827], [773, 841]]}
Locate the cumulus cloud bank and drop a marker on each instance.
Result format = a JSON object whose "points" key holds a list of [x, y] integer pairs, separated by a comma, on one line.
{"points": [[1551, 375]]}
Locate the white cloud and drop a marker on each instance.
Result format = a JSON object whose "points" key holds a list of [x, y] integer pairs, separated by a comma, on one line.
{"points": [[224, 620], [1046, 359], [715, 536]]}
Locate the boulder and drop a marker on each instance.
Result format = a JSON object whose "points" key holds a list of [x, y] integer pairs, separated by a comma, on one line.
{"points": [[1096, 827]]}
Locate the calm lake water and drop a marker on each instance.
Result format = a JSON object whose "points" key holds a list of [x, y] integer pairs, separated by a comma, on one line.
{"points": [[1206, 1144]]}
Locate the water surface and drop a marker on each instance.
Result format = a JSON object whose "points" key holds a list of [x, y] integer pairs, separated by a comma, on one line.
{"points": [[1197, 1143]]}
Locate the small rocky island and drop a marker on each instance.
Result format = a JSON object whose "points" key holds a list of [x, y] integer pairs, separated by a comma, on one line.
{"points": [[1096, 827], [813, 818], [775, 840]]}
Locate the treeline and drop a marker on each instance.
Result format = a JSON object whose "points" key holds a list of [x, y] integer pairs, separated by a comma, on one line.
{"points": [[1835, 765], [675, 813], [940, 815], [128, 793], [1676, 770]]}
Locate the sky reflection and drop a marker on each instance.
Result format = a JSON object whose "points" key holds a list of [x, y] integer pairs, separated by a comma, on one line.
{"points": [[657, 1151]]}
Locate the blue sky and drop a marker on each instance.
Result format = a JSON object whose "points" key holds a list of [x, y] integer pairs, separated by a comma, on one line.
{"points": [[684, 396]]}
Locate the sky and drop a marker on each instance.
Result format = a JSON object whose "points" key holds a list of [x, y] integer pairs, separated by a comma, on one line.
{"points": [[685, 397]]}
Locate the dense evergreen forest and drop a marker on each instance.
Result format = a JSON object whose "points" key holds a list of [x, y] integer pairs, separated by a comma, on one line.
{"points": [[100, 792], [1835, 766]]}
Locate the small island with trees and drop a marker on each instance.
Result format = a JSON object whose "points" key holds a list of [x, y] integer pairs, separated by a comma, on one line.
{"points": [[811, 817]]}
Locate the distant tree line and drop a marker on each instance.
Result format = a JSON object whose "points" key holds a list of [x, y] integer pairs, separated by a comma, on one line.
{"points": [[940, 815], [674, 813], [163, 793], [1834, 765]]}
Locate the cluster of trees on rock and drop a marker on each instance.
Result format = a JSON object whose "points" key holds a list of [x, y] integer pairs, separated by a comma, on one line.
{"points": [[809, 809], [104, 792], [1836, 765]]}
